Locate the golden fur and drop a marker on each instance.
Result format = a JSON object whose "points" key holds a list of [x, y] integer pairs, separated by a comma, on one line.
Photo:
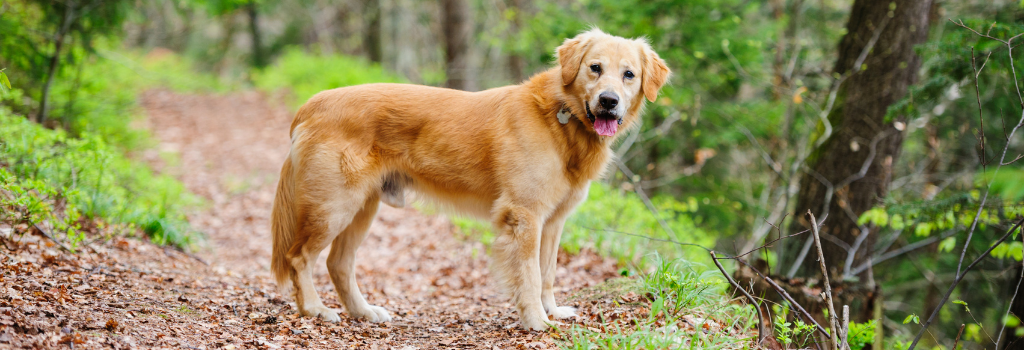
{"points": [[501, 154]]}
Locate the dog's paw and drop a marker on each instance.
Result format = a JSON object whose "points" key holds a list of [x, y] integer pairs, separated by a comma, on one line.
{"points": [[372, 313], [561, 312], [537, 324], [323, 313]]}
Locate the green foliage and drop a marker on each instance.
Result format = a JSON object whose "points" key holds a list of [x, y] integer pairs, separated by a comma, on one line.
{"points": [[304, 75], [796, 332], [32, 28], [102, 98], [678, 285], [5, 84], [28, 202], [679, 288], [860, 335], [609, 220], [93, 178], [605, 219]]}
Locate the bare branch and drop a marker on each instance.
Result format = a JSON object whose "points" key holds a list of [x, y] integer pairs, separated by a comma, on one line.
{"points": [[761, 334], [825, 282], [1010, 305], [960, 277], [806, 315], [903, 250]]}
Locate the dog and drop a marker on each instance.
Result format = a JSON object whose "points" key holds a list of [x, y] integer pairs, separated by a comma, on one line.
{"points": [[522, 156]]}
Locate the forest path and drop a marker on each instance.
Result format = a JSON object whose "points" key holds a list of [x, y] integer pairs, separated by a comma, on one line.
{"points": [[229, 149], [127, 293]]}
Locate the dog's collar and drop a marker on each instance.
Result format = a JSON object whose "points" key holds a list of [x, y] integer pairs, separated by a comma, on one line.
{"points": [[565, 113]]}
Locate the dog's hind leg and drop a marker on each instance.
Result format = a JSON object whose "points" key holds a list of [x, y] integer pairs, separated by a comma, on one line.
{"points": [[341, 265], [329, 213]]}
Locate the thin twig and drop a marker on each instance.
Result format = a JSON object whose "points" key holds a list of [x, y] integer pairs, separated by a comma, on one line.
{"points": [[643, 196], [844, 340], [1009, 306], [960, 333], [47, 235], [828, 286], [903, 250], [654, 239], [977, 94], [960, 277], [761, 333], [806, 315]]}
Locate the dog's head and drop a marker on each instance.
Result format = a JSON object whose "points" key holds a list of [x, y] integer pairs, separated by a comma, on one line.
{"points": [[608, 78]]}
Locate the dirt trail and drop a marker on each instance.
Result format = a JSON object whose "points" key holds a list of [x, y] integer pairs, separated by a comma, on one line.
{"points": [[228, 149]]}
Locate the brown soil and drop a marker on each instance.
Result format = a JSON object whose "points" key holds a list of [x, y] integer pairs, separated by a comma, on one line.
{"points": [[127, 293]]}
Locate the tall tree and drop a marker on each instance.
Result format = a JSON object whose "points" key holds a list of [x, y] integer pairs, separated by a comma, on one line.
{"points": [[259, 59], [74, 24], [371, 33], [516, 62], [457, 26], [878, 76]]}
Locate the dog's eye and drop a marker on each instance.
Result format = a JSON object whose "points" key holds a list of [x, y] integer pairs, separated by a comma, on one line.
{"points": [[628, 74], [596, 68]]}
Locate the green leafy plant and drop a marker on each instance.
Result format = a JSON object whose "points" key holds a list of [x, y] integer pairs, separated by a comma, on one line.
{"points": [[303, 75], [88, 176], [796, 333], [861, 335]]}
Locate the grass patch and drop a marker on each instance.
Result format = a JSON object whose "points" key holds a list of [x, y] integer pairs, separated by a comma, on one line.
{"points": [[605, 219], [678, 305]]}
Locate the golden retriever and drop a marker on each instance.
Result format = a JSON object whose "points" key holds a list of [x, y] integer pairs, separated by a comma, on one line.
{"points": [[521, 156]]}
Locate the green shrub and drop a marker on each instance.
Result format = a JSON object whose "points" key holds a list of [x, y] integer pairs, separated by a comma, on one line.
{"points": [[612, 223], [93, 178], [28, 202], [303, 75], [100, 95], [682, 294]]}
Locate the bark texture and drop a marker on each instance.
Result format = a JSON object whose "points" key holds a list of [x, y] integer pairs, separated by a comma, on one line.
{"points": [[371, 34], [858, 119], [456, 22]]}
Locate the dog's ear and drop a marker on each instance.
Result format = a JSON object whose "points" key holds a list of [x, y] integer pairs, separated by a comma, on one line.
{"points": [[570, 56], [656, 73]]}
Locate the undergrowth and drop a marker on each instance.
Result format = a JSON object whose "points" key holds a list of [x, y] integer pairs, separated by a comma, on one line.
{"points": [[303, 75], [619, 225], [80, 172], [683, 307], [50, 177]]}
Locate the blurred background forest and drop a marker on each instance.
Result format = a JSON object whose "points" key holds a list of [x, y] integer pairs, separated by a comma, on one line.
{"points": [[889, 118]]}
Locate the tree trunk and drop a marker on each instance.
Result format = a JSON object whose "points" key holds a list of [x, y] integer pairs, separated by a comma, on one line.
{"points": [[858, 119], [516, 62], [371, 38], [58, 43], [259, 60], [456, 24]]}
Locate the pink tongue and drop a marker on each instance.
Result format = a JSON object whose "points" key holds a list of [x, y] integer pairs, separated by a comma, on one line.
{"points": [[606, 127]]}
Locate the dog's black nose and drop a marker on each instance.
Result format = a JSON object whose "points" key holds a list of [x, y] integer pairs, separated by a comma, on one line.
{"points": [[608, 100]]}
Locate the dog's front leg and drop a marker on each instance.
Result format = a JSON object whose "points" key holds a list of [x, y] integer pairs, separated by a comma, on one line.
{"points": [[548, 265], [517, 263], [550, 237]]}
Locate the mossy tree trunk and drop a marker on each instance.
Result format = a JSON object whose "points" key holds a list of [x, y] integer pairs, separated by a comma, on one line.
{"points": [[859, 118]]}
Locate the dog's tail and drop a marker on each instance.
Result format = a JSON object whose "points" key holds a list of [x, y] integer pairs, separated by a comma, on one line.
{"points": [[283, 227]]}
